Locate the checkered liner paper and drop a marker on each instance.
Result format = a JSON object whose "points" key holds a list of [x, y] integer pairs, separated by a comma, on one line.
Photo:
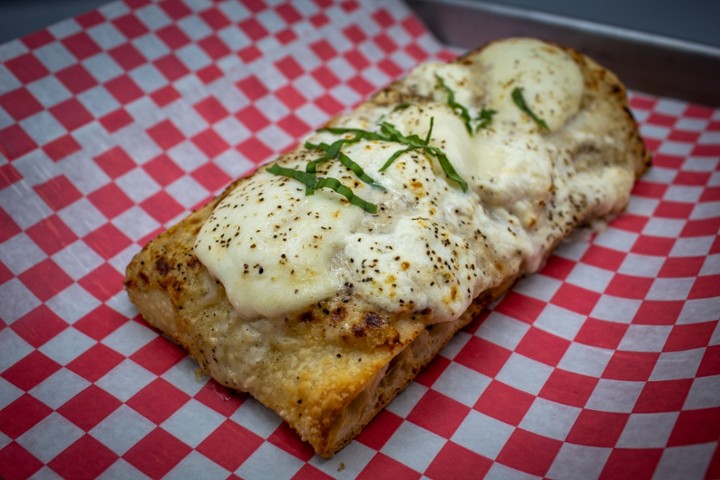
{"points": [[115, 124]]}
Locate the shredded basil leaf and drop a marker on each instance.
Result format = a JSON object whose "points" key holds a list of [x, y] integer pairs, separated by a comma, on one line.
{"points": [[390, 133], [458, 108], [449, 170], [307, 179], [358, 171], [359, 133], [311, 167], [333, 152], [519, 99], [484, 118], [399, 107], [413, 141], [312, 183], [394, 157], [334, 184], [429, 132]]}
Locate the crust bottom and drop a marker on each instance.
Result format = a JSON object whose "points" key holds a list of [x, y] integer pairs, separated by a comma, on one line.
{"points": [[400, 372]]}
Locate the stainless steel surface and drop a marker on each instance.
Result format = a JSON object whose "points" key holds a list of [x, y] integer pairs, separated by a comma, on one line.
{"points": [[22, 17], [647, 63]]}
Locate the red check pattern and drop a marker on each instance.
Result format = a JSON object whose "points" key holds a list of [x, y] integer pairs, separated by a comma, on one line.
{"points": [[114, 124]]}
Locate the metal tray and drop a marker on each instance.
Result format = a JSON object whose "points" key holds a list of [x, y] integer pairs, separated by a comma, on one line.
{"points": [[646, 63]]}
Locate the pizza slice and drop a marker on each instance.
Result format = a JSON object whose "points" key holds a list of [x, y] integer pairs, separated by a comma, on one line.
{"points": [[322, 283]]}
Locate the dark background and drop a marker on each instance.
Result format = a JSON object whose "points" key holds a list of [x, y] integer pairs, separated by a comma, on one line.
{"points": [[691, 20]]}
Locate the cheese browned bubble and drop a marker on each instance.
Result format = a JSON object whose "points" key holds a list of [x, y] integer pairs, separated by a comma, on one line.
{"points": [[432, 246]]}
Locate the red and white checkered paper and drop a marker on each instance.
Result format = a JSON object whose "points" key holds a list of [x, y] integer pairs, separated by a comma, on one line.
{"points": [[114, 124]]}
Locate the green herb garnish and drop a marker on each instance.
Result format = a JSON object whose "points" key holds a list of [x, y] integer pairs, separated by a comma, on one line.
{"points": [[333, 152], [389, 133], [313, 183], [484, 118], [517, 96], [458, 108], [400, 107]]}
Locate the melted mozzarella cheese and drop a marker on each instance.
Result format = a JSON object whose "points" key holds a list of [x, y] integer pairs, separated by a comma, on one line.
{"points": [[551, 81], [270, 245], [277, 250]]}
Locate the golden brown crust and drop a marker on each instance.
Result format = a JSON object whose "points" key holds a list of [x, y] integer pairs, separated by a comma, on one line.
{"points": [[348, 361], [169, 286]]}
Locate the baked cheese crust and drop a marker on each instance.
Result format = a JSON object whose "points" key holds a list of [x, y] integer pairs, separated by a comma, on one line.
{"points": [[324, 303]]}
